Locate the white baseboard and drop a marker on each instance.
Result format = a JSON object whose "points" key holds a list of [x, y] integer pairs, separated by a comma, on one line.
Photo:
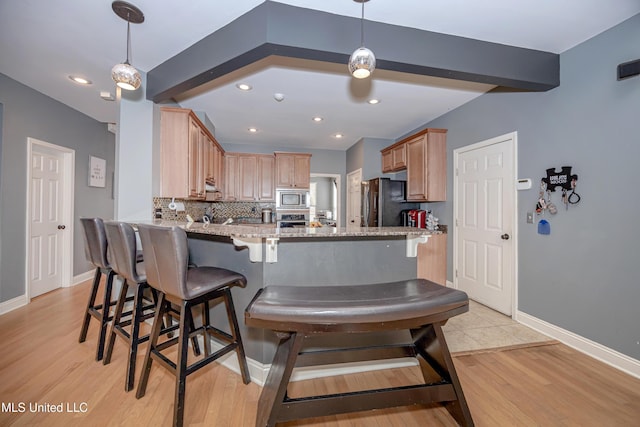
{"points": [[12, 304], [83, 277], [597, 351]]}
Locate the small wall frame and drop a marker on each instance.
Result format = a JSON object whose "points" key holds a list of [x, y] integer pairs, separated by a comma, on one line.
{"points": [[97, 172]]}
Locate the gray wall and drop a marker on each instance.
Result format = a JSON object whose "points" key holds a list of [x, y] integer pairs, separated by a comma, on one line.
{"points": [[583, 276], [28, 113]]}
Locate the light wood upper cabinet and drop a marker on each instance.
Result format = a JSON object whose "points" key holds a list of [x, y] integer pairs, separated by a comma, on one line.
{"points": [[185, 153], [394, 158], [427, 166], [432, 259], [266, 177], [293, 170], [249, 177], [231, 176]]}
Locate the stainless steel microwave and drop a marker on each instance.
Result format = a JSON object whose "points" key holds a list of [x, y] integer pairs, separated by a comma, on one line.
{"points": [[292, 199]]}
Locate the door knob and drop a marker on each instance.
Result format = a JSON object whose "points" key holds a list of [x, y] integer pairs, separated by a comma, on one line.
{"points": [[61, 227], [505, 236]]}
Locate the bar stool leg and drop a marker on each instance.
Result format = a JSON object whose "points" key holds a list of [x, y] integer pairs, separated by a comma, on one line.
{"points": [[181, 365], [235, 332], [104, 318], [136, 319], [431, 345], [117, 316], [90, 305], [275, 388], [192, 327], [206, 321], [161, 307]]}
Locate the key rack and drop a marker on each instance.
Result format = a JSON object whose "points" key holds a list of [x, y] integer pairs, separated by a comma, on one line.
{"points": [[562, 179]]}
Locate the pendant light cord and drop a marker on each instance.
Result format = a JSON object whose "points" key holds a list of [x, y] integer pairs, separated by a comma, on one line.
{"points": [[362, 26], [128, 39]]}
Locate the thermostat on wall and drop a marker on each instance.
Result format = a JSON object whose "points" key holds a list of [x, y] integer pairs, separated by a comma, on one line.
{"points": [[523, 184]]}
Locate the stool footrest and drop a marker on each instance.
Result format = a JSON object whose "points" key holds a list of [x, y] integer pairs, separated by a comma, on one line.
{"points": [[335, 356], [340, 403]]}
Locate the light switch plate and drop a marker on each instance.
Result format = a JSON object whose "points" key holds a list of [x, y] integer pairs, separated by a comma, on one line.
{"points": [[529, 217]]}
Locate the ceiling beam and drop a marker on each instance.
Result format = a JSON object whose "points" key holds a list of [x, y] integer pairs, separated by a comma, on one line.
{"points": [[279, 29]]}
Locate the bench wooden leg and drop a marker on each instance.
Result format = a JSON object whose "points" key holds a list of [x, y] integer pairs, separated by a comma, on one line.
{"points": [[436, 363], [275, 388]]}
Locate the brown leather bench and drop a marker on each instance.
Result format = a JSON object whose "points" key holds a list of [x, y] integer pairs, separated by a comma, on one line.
{"points": [[295, 313]]}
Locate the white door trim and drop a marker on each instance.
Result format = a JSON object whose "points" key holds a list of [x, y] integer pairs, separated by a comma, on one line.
{"points": [[68, 168], [513, 137], [337, 177]]}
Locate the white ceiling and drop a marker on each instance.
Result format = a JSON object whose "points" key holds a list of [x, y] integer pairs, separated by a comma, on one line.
{"points": [[42, 42]]}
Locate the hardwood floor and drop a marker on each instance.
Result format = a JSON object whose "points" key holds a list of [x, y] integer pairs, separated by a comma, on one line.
{"points": [[41, 362]]}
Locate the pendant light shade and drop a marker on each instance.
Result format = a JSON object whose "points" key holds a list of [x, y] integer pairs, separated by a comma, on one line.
{"points": [[125, 75], [362, 61]]}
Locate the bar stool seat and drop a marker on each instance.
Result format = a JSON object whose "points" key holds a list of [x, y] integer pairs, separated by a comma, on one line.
{"points": [[297, 312], [168, 271]]}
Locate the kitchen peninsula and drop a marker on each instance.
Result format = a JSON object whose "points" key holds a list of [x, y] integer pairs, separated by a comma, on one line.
{"points": [[267, 255]]}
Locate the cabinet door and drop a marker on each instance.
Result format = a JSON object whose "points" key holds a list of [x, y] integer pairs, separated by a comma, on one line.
{"points": [[194, 157], [387, 161], [219, 169], [399, 155], [266, 178], [302, 171], [432, 259], [416, 169], [230, 176], [284, 170], [247, 177]]}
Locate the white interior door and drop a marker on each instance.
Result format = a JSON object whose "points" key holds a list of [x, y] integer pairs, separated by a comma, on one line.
{"points": [[48, 260], [484, 224], [354, 181]]}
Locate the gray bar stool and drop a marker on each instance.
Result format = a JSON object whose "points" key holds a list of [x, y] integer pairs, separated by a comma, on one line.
{"points": [[95, 247], [121, 238], [166, 255]]}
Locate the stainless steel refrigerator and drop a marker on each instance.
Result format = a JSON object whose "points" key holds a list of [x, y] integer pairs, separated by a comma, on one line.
{"points": [[383, 201]]}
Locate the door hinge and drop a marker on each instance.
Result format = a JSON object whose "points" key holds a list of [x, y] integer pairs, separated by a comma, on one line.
{"points": [[456, 272]]}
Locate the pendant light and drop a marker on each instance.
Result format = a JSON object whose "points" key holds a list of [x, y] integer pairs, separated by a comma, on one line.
{"points": [[124, 74], [362, 61]]}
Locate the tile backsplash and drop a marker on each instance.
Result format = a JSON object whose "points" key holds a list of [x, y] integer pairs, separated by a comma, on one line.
{"points": [[218, 210]]}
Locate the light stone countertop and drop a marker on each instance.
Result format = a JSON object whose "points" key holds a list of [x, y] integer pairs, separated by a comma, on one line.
{"points": [[252, 231]]}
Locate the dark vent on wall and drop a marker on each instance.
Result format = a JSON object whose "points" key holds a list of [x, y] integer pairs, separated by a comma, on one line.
{"points": [[628, 69]]}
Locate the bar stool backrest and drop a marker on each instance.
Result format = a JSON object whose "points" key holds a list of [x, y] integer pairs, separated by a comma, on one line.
{"points": [[95, 242], [166, 256], [121, 238]]}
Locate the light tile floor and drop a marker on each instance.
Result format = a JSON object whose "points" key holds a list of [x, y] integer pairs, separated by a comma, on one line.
{"points": [[482, 328]]}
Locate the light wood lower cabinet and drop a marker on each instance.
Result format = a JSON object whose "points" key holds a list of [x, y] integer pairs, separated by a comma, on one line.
{"points": [[432, 259]]}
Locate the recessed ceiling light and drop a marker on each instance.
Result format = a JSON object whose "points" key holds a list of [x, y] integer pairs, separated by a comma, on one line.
{"points": [[244, 86], [80, 80], [317, 119], [253, 130], [338, 135], [373, 101]]}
